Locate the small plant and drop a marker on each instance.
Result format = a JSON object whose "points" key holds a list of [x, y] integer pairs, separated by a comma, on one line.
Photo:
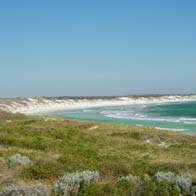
{"points": [[39, 190], [130, 178], [193, 191], [21, 189], [183, 182], [165, 176], [19, 160], [73, 182]]}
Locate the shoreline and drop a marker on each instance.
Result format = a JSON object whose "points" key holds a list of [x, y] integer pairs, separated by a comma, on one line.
{"points": [[36, 106]]}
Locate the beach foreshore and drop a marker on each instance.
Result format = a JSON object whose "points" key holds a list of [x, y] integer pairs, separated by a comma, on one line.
{"points": [[47, 105]]}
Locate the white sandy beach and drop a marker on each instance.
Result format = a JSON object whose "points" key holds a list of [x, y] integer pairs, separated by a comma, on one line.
{"points": [[47, 105]]}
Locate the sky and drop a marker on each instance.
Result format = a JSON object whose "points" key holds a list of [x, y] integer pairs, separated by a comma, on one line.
{"points": [[97, 47]]}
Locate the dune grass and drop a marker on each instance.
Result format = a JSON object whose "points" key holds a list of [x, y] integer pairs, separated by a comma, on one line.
{"points": [[57, 146]]}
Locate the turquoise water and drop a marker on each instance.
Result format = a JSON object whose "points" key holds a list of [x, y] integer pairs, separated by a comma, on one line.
{"points": [[171, 116]]}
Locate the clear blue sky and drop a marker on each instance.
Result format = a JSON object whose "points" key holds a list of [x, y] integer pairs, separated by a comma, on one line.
{"points": [[97, 47]]}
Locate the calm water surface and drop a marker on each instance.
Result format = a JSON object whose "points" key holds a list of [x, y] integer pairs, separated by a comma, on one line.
{"points": [[171, 116]]}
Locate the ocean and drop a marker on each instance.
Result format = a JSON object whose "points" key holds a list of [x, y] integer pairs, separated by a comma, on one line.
{"points": [[179, 116]]}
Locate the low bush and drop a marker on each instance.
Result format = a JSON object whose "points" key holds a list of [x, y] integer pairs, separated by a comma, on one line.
{"points": [[181, 182], [19, 160], [122, 188], [193, 191], [21, 189], [42, 171], [164, 176], [73, 182], [152, 188], [129, 178]]}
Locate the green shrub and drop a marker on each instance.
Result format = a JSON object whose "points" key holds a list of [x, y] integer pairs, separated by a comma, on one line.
{"points": [[42, 171], [93, 190], [166, 189], [122, 188]]}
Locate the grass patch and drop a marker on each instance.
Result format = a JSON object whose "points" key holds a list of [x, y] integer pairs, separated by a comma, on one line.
{"points": [[58, 146]]}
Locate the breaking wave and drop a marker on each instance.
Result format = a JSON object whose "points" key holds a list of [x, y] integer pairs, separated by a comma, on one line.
{"points": [[121, 115]]}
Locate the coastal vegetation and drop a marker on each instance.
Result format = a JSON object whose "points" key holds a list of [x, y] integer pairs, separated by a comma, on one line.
{"points": [[43, 155]]}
